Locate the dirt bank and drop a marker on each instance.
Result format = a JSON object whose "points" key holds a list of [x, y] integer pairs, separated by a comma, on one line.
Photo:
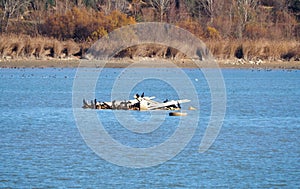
{"points": [[148, 63]]}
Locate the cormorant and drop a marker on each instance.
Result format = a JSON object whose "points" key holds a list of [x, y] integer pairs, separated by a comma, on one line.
{"points": [[178, 105]]}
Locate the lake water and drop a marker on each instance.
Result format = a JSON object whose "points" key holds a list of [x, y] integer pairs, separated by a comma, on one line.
{"points": [[258, 145]]}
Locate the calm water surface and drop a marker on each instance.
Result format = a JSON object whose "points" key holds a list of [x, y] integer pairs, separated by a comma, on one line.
{"points": [[258, 146]]}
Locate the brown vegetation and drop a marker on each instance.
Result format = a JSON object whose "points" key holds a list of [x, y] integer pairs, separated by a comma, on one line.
{"points": [[255, 49], [24, 47], [248, 29], [83, 25], [150, 51]]}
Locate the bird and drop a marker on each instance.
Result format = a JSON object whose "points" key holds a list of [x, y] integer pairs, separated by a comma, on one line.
{"points": [[178, 105]]}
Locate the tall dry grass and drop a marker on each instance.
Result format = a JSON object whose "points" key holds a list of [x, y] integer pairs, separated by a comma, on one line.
{"points": [[23, 46], [255, 49]]}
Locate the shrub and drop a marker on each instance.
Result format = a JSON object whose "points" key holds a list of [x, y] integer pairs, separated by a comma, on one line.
{"points": [[255, 31], [192, 26], [212, 33], [80, 24]]}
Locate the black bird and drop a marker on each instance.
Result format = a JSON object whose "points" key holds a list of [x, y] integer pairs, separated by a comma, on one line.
{"points": [[178, 105], [142, 95]]}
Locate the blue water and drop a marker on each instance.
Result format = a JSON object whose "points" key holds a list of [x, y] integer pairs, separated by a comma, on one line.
{"points": [[258, 145]]}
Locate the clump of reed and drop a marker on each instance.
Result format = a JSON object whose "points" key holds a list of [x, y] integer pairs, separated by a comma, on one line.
{"points": [[24, 46], [255, 49]]}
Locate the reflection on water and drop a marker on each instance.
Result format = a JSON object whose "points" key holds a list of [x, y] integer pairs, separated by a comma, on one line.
{"points": [[258, 145]]}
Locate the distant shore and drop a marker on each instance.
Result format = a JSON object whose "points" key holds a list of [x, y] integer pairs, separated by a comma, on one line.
{"points": [[151, 63]]}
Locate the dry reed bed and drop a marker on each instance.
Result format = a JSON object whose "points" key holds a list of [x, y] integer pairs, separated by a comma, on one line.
{"points": [[26, 47], [255, 49], [22, 47]]}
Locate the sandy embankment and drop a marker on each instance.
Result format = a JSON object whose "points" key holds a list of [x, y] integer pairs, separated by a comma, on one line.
{"points": [[149, 63]]}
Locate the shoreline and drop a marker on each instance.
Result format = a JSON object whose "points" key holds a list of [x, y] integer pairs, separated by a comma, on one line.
{"points": [[147, 63]]}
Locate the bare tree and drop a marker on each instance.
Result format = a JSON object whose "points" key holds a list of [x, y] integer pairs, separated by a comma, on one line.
{"points": [[243, 10], [66, 5], [11, 7], [211, 8], [162, 6], [208, 7], [120, 5], [78, 3], [135, 7], [245, 7]]}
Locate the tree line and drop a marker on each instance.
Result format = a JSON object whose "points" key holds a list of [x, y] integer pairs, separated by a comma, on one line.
{"points": [[88, 20]]}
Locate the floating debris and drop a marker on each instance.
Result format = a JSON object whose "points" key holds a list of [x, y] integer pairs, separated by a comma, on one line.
{"points": [[138, 103], [192, 108], [177, 114]]}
